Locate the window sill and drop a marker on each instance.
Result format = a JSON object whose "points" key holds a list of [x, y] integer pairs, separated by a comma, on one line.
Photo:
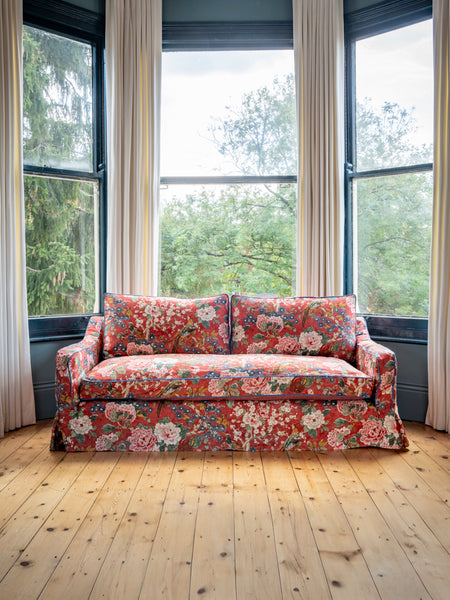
{"points": [[60, 327], [398, 329], [383, 328]]}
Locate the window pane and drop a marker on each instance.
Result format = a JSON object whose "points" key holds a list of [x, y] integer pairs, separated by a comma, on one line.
{"points": [[230, 238], [61, 220], [394, 96], [228, 113], [57, 101], [393, 244]]}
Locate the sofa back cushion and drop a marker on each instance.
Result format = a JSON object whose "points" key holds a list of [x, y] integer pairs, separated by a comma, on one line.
{"points": [[303, 326], [152, 325]]}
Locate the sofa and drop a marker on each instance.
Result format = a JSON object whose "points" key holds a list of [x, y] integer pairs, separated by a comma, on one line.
{"points": [[220, 373]]}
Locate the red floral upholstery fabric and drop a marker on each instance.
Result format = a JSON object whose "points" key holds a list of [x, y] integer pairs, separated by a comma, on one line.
{"points": [[186, 376], [227, 424], [150, 325], [303, 326], [378, 362], [268, 418], [74, 361]]}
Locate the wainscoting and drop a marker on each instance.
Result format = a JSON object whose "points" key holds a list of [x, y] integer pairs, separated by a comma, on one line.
{"points": [[43, 368], [412, 382]]}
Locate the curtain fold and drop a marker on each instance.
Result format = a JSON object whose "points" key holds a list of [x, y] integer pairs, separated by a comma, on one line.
{"points": [[16, 387], [319, 74], [438, 414], [133, 83]]}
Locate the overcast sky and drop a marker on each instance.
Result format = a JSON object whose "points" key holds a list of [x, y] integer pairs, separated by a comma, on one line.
{"points": [[398, 67], [197, 87]]}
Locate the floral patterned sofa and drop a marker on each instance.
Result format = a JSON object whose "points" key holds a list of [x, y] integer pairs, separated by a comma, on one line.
{"points": [[220, 374]]}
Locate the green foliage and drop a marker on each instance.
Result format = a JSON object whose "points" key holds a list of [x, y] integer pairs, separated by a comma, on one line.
{"points": [[57, 101], [59, 228], [260, 135], [384, 137], [394, 241], [237, 238]]}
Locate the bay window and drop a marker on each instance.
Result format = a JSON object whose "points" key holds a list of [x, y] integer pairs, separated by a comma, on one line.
{"points": [[229, 164]]}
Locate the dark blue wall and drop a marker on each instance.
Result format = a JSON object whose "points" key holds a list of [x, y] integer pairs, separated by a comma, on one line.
{"points": [[224, 10]]}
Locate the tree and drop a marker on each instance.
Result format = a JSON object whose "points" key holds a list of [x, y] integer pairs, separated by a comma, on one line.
{"points": [[59, 213], [260, 135], [236, 238]]}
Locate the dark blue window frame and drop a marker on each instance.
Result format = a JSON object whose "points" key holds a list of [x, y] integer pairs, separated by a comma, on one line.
{"points": [[374, 20], [88, 27]]}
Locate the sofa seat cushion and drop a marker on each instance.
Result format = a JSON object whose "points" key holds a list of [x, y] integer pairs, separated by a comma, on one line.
{"points": [[189, 376]]}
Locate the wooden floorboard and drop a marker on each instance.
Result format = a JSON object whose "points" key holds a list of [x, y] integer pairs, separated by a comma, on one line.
{"points": [[345, 566], [256, 564], [234, 526], [168, 574], [18, 438], [385, 559], [20, 454], [132, 544], [427, 555], [213, 556], [301, 569]]}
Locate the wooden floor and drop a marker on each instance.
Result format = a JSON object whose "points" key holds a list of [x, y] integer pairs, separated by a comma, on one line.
{"points": [[359, 524]]}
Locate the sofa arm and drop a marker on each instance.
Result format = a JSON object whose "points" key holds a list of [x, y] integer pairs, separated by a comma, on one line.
{"points": [[74, 361], [380, 363]]}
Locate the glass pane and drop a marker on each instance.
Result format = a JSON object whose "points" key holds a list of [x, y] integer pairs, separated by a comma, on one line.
{"points": [[394, 95], [393, 243], [57, 101], [230, 238], [61, 221], [228, 113]]}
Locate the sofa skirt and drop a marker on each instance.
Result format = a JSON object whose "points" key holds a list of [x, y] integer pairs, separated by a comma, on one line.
{"points": [[263, 424]]}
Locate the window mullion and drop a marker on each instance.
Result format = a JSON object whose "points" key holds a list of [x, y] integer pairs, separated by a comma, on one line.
{"points": [[420, 168], [228, 179], [61, 173]]}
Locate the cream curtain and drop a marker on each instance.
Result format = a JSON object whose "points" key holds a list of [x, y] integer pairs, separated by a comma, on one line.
{"points": [[133, 83], [438, 415], [319, 73], [16, 387]]}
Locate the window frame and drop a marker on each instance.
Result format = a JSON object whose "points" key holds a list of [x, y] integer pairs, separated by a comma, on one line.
{"points": [[88, 27], [367, 22], [215, 36]]}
